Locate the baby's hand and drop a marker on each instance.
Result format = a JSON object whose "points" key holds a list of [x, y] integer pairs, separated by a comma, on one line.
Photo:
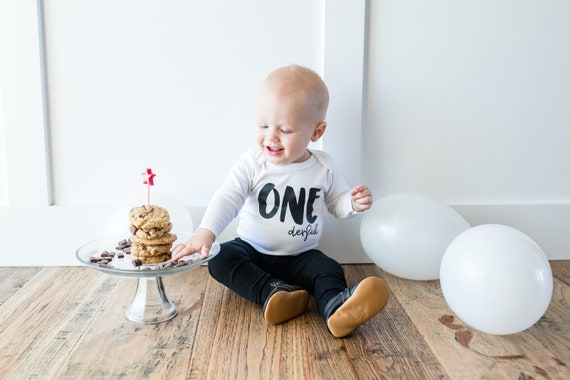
{"points": [[200, 242], [361, 197]]}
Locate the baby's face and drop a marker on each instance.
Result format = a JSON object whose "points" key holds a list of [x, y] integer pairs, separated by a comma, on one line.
{"points": [[285, 126]]}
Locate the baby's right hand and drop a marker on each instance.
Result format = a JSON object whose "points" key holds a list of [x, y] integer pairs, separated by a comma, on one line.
{"points": [[200, 242]]}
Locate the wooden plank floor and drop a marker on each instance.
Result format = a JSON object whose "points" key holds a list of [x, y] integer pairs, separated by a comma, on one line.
{"points": [[68, 323]]}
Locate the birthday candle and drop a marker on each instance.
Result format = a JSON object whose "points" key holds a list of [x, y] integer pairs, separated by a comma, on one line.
{"points": [[148, 177]]}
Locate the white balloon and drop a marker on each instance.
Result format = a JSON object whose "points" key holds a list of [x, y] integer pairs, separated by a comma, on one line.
{"points": [[407, 234], [496, 279], [118, 221]]}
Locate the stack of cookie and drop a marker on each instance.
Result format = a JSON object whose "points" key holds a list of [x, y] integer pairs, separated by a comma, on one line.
{"points": [[151, 238]]}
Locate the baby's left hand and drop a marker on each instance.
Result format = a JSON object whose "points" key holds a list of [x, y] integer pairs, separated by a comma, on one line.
{"points": [[361, 197]]}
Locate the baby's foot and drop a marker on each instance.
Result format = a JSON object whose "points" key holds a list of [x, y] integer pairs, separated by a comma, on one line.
{"points": [[355, 305], [285, 302]]}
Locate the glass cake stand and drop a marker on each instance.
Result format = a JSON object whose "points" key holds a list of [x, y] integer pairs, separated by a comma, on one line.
{"points": [[150, 303]]}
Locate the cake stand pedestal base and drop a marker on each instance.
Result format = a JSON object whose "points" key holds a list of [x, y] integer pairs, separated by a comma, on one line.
{"points": [[150, 304]]}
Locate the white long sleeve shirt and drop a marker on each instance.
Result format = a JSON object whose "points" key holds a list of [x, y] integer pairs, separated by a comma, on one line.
{"points": [[280, 206]]}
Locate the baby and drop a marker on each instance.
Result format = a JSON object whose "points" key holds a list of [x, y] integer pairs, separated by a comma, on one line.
{"points": [[280, 190]]}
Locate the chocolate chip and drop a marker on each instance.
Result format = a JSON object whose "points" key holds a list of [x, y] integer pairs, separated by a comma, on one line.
{"points": [[123, 245], [133, 229], [137, 262]]}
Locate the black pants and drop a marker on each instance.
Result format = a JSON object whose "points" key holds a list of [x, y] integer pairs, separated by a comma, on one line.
{"points": [[249, 273]]}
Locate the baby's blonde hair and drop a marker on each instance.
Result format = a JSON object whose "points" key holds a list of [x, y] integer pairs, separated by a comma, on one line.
{"points": [[294, 79]]}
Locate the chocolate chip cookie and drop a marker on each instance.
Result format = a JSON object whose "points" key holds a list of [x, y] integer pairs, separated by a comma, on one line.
{"points": [[150, 217], [167, 238], [151, 238], [152, 259], [142, 250], [153, 233]]}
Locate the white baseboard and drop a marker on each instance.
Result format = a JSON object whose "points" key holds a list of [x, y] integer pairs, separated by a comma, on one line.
{"points": [[50, 235], [547, 224]]}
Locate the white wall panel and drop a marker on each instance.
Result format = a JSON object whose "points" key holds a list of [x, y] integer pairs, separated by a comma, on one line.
{"points": [[344, 72], [470, 101], [3, 166], [24, 162], [165, 84]]}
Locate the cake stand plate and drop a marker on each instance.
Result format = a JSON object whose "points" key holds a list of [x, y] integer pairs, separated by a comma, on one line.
{"points": [[150, 304]]}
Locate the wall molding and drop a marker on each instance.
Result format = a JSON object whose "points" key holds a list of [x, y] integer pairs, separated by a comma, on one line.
{"points": [[50, 235], [547, 224], [345, 54], [23, 102]]}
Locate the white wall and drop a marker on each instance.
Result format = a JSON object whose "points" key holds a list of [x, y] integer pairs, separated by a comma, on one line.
{"points": [[466, 102], [23, 139], [3, 165], [164, 84], [469, 102]]}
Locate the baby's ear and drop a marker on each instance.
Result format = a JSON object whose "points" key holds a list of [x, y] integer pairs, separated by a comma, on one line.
{"points": [[319, 131]]}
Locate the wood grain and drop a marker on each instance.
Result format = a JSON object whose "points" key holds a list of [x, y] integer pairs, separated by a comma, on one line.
{"points": [[69, 323], [538, 352]]}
